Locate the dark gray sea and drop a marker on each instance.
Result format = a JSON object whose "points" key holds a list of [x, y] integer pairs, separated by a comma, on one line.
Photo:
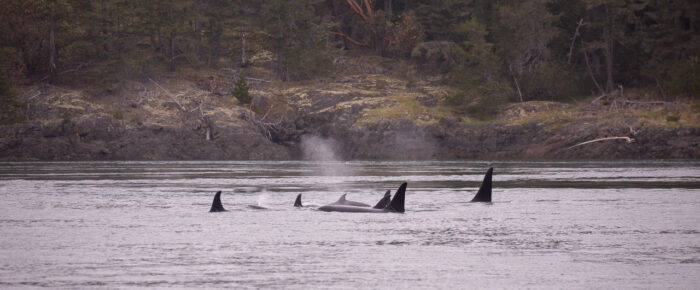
{"points": [[560, 225]]}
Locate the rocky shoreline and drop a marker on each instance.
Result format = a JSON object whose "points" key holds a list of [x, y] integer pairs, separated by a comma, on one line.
{"points": [[370, 119], [106, 139]]}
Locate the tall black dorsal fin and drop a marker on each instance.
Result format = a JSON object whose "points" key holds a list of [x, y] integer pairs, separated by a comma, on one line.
{"points": [[384, 201], [484, 194], [397, 202], [297, 202], [216, 206]]}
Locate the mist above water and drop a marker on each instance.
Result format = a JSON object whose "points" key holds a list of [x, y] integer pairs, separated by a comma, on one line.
{"points": [[323, 151], [263, 198], [414, 145], [317, 148]]}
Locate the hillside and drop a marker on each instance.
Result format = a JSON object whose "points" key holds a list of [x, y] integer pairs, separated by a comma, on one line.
{"points": [[369, 111]]}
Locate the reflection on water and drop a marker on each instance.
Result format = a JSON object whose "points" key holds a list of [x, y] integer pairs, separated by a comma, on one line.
{"points": [[552, 224]]}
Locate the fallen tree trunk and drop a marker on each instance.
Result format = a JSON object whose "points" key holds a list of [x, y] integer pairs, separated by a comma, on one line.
{"points": [[628, 139]]}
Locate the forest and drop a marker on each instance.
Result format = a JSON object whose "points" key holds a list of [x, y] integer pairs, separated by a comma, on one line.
{"points": [[502, 51]]}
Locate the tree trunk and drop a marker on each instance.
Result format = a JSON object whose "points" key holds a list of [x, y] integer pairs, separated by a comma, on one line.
{"points": [[172, 39], [573, 41], [379, 44], [517, 85], [104, 17], [608, 50], [52, 56], [590, 72], [387, 8], [280, 67], [244, 61], [214, 42], [197, 40], [159, 38], [117, 33]]}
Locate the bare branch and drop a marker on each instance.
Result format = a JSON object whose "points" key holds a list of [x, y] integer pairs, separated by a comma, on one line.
{"points": [[229, 69], [648, 103], [172, 97], [661, 88], [259, 80], [27, 115], [517, 86], [633, 132], [265, 127], [34, 96], [598, 98], [355, 42]]}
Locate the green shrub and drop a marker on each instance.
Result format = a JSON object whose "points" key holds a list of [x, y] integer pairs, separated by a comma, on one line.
{"points": [[683, 78], [5, 88], [673, 118], [695, 106], [10, 107], [458, 98], [240, 91], [406, 34], [66, 118], [444, 55]]}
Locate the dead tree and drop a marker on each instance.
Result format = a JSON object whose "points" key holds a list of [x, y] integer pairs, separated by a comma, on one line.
{"points": [[244, 61], [207, 123], [172, 97], [266, 128], [573, 41]]}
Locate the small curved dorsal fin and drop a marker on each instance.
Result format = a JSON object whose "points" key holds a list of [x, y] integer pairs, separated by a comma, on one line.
{"points": [[342, 198], [384, 201]]}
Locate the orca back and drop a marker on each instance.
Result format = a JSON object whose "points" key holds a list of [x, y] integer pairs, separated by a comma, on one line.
{"points": [[484, 194], [216, 206]]}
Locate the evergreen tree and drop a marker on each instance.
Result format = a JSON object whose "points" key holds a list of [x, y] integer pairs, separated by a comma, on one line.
{"points": [[240, 91], [493, 47], [297, 37], [668, 35]]}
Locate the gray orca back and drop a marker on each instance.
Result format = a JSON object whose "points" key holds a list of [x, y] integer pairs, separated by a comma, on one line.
{"points": [[343, 201]]}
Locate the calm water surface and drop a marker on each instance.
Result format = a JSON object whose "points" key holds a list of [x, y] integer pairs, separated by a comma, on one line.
{"points": [[551, 225]]}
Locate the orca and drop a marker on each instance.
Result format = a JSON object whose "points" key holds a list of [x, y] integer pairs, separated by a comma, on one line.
{"points": [[342, 201], [256, 207], [396, 205], [484, 193], [216, 206], [297, 202]]}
